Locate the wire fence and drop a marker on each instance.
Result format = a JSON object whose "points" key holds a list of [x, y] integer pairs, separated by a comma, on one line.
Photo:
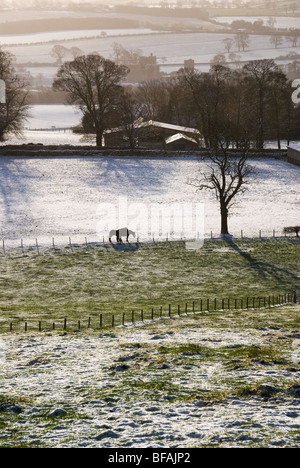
{"points": [[71, 244], [171, 311]]}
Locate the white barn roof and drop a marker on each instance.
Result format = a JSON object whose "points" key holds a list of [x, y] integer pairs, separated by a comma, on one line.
{"points": [[153, 123], [179, 136]]}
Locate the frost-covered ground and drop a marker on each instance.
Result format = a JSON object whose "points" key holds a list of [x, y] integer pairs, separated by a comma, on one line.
{"points": [[82, 197], [169, 48], [22, 39], [192, 382]]}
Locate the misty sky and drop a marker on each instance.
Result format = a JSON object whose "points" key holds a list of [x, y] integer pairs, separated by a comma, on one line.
{"points": [[28, 3]]}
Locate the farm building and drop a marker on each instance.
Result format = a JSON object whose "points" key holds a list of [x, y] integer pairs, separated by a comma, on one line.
{"points": [[154, 135], [182, 142], [294, 154]]}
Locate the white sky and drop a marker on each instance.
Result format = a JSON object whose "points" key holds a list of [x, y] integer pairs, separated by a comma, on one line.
{"points": [[28, 3]]}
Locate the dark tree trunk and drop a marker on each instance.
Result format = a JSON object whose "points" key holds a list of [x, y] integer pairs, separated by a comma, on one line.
{"points": [[224, 219]]}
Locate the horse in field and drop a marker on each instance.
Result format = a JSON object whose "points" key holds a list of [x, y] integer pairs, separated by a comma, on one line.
{"points": [[119, 233]]}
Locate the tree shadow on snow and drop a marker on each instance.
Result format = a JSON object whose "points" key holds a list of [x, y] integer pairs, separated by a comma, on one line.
{"points": [[264, 269]]}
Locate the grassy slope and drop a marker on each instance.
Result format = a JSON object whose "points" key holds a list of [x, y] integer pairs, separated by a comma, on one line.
{"points": [[88, 281]]}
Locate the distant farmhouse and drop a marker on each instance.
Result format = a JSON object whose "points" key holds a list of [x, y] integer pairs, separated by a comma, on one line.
{"points": [[294, 154], [145, 69]]}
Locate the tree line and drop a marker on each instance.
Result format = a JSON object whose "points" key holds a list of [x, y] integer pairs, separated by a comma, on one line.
{"points": [[252, 104]]}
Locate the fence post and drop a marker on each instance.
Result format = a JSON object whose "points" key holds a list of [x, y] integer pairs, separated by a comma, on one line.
{"points": [[193, 307], [65, 324], [101, 320], [37, 246], [179, 310], [123, 321], [89, 323], [40, 326], [132, 316], [113, 321], [152, 314], [26, 326], [207, 305], [3, 246], [215, 303], [170, 310], [201, 305], [78, 324]]}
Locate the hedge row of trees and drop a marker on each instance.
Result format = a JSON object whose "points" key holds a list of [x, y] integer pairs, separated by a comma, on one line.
{"points": [[252, 104]]}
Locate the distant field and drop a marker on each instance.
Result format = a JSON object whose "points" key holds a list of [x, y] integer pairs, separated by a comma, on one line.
{"points": [[93, 280], [170, 48]]}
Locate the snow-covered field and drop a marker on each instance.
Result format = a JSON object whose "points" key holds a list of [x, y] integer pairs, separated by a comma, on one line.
{"points": [[22, 39], [179, 383], [79, 197], [50, 116], [169, 48]]}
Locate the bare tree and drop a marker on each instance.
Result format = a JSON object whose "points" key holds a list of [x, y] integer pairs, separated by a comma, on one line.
{"points": [[14, 110], [276, 40], [293, 37], [76, 52], [228, 44], [59, 52], [242, 40], [227, 177], [129, 113], [92, 83], [261, 74]]}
